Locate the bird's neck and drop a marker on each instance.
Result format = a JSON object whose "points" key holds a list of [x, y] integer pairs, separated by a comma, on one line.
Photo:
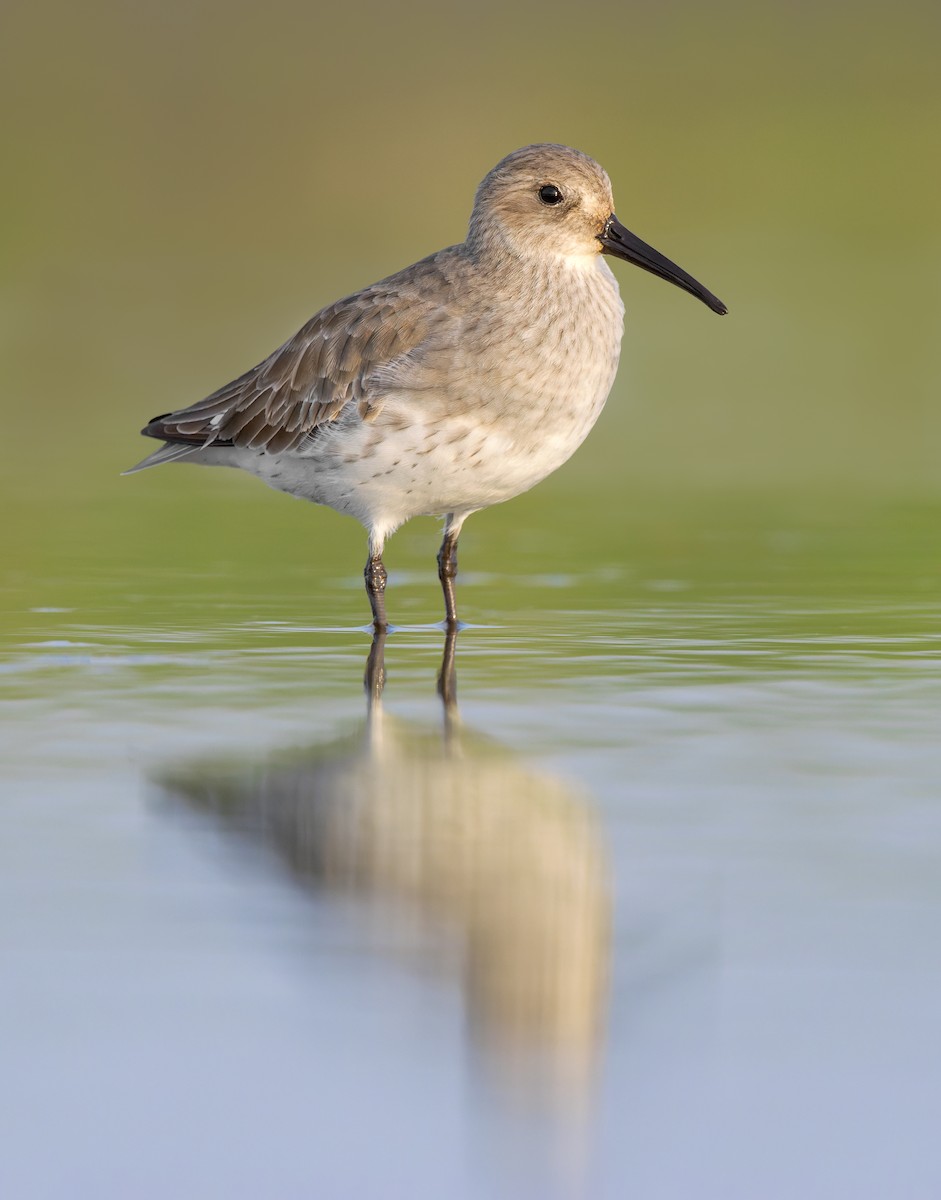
{"points": [[546, 276]]}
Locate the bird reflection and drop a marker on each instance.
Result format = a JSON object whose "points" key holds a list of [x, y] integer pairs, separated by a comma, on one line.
{"points": [[500, 867]]}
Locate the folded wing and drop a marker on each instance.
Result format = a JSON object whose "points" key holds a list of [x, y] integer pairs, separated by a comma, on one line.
{"points": [[347, 354]]}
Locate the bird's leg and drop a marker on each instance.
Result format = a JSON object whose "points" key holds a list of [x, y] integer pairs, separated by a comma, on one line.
{"points": [[375, 575], [447, 568]]}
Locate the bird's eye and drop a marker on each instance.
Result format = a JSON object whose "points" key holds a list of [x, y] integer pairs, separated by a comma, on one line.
{"points": [[550, 194]]}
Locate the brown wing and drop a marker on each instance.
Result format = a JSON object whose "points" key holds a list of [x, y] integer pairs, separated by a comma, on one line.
{"points": [[328, 364]]}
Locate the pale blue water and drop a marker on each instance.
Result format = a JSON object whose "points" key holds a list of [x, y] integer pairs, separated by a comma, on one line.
{"points": [[657, 916]]}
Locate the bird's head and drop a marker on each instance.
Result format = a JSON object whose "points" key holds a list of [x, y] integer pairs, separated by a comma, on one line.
{"points": [[548, 201]]}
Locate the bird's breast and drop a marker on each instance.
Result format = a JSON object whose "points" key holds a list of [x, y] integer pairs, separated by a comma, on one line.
{"points": [[550, 361], [532, 374], [528, 347]]}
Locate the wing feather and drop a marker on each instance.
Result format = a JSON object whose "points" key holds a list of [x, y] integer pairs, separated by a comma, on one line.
{"points": [[346, 354]]}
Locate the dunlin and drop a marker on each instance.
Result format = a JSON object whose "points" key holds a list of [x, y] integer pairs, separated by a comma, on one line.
{"points": [[452, 385]]}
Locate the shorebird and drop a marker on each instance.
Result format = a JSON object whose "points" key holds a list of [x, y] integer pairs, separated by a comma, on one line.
{"points": [[457, 383]]}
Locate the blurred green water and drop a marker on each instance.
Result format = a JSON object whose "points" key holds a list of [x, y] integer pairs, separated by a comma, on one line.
{"points": [[738, 573]]}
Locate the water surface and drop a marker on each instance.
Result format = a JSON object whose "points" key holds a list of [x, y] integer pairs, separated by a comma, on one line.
{"points": [[652, 910]]}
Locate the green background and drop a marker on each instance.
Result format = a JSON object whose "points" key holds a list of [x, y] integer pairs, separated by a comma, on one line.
{"points": [[187, 183]]}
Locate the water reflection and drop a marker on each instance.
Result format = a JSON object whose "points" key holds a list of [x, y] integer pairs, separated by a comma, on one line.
{"points": [[493, 869]]}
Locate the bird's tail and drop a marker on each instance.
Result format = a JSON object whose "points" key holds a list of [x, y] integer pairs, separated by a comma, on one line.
{"points": [[169, 452]]}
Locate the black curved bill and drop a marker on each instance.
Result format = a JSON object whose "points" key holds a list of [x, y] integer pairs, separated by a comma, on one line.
{"points": [[620, 242]]}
